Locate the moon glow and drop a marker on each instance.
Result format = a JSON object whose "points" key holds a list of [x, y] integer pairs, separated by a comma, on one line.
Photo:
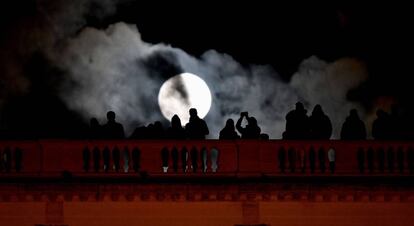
{"points": [[180, 93]]}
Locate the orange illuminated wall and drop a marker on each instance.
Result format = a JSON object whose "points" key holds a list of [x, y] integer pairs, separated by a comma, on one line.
{"points": [[220, 213], [54, 183]]}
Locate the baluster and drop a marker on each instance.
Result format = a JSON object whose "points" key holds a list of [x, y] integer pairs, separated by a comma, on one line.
{"points": [[96, 159], [282, 159], [18, 156], [136, 158], [214, 157], [86, 159]]}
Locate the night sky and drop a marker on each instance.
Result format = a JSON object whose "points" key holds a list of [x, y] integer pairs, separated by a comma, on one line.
{"points": [[258, 33]]}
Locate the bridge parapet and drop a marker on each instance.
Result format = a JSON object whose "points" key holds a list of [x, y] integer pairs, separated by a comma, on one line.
{"points": [[242, 158]]}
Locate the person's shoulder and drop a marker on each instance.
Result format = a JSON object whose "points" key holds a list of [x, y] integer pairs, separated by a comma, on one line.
{"points": [[291, 112], [325, 117]]}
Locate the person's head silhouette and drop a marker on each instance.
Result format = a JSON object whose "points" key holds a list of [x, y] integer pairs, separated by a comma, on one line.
{"points": [[193, 112], [94, 122], [230, 123], [381, 113], [110, 116], [158, 125], [317, 110], [252, 121], [299, 106], [175, 122], [353, 113]]}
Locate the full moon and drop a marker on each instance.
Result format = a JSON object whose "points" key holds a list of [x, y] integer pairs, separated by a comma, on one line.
{"points": [[180, 93]]}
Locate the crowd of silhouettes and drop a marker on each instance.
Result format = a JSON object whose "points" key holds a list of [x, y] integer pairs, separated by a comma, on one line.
{"points": [[196, 128], [299, 126]]}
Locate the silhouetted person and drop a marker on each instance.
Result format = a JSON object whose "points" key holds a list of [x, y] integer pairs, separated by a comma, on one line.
{"points": [[381, 127], [176, 131], [139, 133], [158, 132], [229, 132], [95, 129], [149, 132], [251, 131], [297, 124], [320, 124], [196, 128], [353, 127], [112, 129]]}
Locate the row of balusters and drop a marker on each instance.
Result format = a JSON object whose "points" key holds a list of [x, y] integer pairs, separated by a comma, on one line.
{"points": [[369, 159], [382, 160], [292, 159], [172, 159], [192, 160], [101, 160]]}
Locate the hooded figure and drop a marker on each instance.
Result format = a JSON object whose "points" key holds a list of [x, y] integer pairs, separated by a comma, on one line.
{"points": [[297, 124], [381, 127], [176, 131], [320, 124], [353, 127], [229, 132]]}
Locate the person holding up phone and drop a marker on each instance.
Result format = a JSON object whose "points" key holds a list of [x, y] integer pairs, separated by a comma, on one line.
{"points": [[252, 130]]}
